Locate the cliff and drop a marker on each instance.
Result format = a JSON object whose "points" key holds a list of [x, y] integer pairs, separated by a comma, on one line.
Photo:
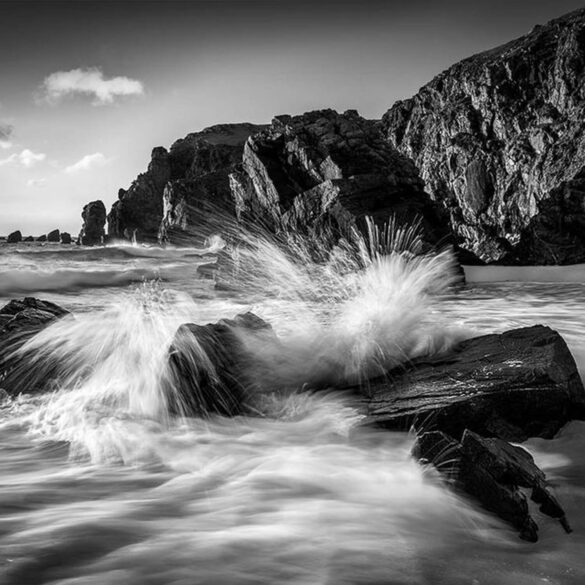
{"points": [[499, 139]]}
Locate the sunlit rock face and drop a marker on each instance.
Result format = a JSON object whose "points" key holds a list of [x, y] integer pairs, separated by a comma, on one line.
{"points": [[325, 169], [318, 171], [499, 141]]}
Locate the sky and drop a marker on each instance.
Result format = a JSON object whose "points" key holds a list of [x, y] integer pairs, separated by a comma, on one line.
{"points": [[88, 88]]}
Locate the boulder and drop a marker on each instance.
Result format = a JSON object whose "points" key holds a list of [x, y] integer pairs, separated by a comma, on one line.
{"points": [[14, 237], [19, 321], [54, 236], [42, 238], [500, 143], [519, 384], [94, 218], [28, 239], [66, 238], [210, 369]]}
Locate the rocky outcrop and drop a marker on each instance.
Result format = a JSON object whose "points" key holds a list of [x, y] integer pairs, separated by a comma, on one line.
{"points": [[522, 383], [19, 321], [42, 238], [28, 239], [66, 238], [94, 219], [179, 185], [499, 139], [54, 236], [329, 170], [14, 237], [493, 471], [318, 171], [200, 202]]}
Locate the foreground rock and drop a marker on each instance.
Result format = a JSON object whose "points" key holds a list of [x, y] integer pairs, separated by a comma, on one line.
{"points": [[19, 321], [520, 384], [66, 238], [493, 471], [94, 219], [14, 237], [499, 140], [212, 370]]}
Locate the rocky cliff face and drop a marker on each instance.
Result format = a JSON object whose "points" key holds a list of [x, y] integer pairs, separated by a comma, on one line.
{"points": [[318, 170], [328, 169], [499, 139], [199, 202]]}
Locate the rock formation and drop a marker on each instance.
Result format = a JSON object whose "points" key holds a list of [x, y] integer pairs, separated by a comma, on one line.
{"points": [[54, 236], [14, 237], [66, 238], [94, 218], [499, 140], [28, 239], [320, 170], [42, 238]]}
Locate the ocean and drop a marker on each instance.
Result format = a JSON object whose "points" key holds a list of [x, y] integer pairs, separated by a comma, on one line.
{"points": [[101, 485]]}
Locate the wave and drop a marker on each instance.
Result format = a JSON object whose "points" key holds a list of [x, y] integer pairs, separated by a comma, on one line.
{"points": [[17, 282]]}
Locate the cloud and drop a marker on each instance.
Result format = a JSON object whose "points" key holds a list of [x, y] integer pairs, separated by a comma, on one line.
{"points": [[5, 135], [36, 182], [89, 161], [89, 82], [26, 158]]}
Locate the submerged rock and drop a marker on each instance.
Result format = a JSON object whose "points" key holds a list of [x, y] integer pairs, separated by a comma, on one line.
{"points": [[14, 237], [19, 321], [94, 219], [499, 140]]}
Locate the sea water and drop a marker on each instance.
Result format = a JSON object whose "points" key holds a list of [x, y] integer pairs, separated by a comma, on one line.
{"points": [[99, 484]]}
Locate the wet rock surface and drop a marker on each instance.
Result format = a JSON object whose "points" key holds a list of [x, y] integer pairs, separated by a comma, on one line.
{"points": [[499, 141], [19, 321], [14, 237]]}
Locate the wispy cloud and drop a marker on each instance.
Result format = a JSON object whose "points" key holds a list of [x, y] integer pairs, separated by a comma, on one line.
{"points": [[26, 158], [36, 182], [89, 82], [5, 135], [89, 161]]}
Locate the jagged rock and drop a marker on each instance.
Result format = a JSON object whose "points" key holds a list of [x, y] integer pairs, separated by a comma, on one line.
{"points": [[14, 237], [28, 239], [66, 238], [94, 218], [329, 170], [54, 236], [42, 238], [19, 321], [522, 383], [493, 471], [211, 370], [499, 140]]}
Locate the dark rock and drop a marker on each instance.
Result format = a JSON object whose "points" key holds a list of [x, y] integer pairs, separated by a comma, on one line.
{"points": [[42, 238], [28, 239], [522, 383], [493, 471], [211, 369], [14, 237], [54, 236], [19, 321], [499, 140], [66, 238], [94, 218]]}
